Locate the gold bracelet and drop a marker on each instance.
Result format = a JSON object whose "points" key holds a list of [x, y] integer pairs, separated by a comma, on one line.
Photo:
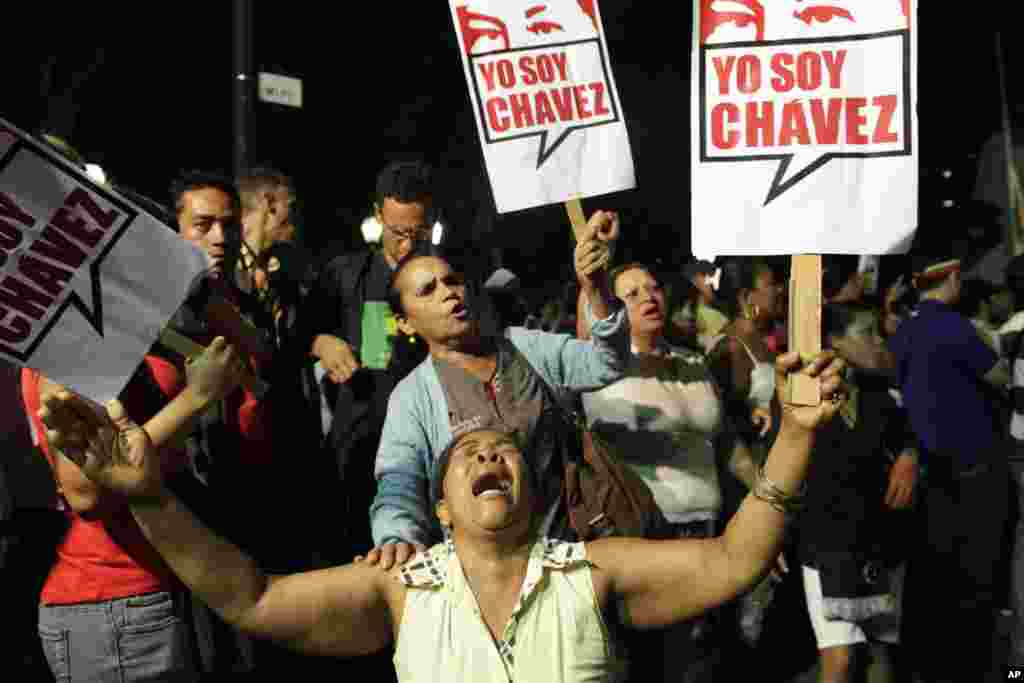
{"points": [[765, 489]]}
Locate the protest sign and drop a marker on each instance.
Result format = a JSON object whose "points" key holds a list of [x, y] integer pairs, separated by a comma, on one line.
{"points": [[87, 279], [547, 109], [804, 127]]}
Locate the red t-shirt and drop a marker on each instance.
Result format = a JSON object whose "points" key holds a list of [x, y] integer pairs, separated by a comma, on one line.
{"points": [[246, 416], [108, 558]]}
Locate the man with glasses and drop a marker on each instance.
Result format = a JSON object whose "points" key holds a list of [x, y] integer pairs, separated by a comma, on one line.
{"points": [[352, 333]]}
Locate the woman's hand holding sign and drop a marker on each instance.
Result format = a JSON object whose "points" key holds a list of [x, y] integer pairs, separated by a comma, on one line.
{"points": [[216, 372], [592, 256]]}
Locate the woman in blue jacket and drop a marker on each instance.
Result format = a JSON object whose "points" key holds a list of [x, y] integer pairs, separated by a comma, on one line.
{"points": [[471, 380]]}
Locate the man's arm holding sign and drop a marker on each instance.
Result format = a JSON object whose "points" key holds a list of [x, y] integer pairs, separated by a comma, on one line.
{"points": [[344, 611]]}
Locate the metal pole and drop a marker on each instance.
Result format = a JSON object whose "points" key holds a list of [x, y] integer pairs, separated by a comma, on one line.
{"points": [[243, 82], [1013, 236]]}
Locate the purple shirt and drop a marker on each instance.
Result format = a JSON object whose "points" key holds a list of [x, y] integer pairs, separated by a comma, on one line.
{"points": [[940, 364]]}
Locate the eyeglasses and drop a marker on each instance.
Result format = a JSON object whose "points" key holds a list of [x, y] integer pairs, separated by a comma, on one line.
{"points": [[416, 234]]}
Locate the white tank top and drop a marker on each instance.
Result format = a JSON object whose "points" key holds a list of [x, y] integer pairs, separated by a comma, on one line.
{"points": [[762, 378], [556, 633]]}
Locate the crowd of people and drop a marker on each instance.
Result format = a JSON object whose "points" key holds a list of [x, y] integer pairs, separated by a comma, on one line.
{"points": [[392, 491]]}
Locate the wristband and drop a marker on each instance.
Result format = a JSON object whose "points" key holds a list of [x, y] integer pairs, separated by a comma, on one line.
{"points": [[765, 489]]}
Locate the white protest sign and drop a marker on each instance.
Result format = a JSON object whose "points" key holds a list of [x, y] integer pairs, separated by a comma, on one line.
{"points": [[546, 105], [804, 127], [87, 279]]}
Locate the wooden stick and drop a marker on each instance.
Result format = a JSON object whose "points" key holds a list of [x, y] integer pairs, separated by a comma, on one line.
{"points": [[576, 217], [190, 349], [805, 325], [180, 343]]}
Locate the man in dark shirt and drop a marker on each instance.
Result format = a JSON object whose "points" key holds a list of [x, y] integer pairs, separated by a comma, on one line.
{"points": [[352, 333], [851, 538], [942, 369]]}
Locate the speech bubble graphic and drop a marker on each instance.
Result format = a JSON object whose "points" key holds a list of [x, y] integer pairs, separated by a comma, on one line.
{"points": [[50, 259], [806, 102], [546, 92]]}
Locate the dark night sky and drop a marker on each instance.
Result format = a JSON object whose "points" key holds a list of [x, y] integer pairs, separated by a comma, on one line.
{"points": [[378, 86]]}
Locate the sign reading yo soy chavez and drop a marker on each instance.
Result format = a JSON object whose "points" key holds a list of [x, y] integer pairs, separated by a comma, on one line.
{"points": [[546, 105], [804, 127], [87, 279]]}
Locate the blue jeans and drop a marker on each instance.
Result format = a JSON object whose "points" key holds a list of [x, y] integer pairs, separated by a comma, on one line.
{"points": [[128, 640]]}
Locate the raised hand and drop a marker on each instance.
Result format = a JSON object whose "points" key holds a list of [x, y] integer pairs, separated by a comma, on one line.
{"points": [[829, 369], [607, 227], [593, 253], [216, 372], [106, 445]]}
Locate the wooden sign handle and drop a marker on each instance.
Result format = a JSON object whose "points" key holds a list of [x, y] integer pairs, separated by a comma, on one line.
{"points": [[805, 325], [189, 349], [576, 216]]}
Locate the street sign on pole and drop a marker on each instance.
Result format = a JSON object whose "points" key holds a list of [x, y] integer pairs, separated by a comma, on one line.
{"points": [[278, 89]]}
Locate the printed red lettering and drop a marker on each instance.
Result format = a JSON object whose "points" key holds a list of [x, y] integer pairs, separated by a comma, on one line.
{"points": [[808, 71], [10, 236], [883, 129], [545, 114], [720, 115], [760, 124], [855, 118], [56, 247], [487, 71], [794, 124], [9, 209], [781, 67], [748, 74], [506, 74], [563, 103], [546, 69], [16, 330], [826, 125], [834, 65], [17, 295], [580, 95], [599, 108], [561, 61], [723, 69], [43, 275], [83, 199], [499, 123], [526, 70], [522, 114], [75, 227]]}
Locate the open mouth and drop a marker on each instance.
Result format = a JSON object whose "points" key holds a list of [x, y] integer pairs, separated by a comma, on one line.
{"points": [[651, 311], [491, 484], [460, 311]]}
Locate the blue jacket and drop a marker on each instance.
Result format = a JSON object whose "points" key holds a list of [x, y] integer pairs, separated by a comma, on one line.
{"points": [[417, 427]]}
